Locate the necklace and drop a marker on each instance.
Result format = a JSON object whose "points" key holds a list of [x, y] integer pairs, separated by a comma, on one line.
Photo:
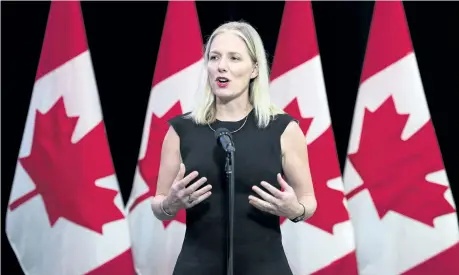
{"points": [[245, 120]]}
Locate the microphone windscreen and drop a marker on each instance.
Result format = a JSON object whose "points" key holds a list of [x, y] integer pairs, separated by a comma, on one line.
{"points": [[222, 131]]}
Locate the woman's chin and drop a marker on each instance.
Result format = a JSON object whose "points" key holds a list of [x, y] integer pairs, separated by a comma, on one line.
{"points": [[224, 94]]}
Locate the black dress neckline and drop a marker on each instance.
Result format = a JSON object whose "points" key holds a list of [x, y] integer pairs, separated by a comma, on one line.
{"points": [[235, 121]]}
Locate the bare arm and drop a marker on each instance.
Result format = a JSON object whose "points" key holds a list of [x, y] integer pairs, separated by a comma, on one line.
{"points": [[172, 193], [168, 169], [296, 168]]}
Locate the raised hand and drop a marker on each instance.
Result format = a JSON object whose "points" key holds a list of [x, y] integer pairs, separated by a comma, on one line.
{"points": [[281, 203], [181, 196]]}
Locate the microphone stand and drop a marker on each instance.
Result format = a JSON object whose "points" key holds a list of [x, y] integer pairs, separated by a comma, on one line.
{"points": [[229, 168]]}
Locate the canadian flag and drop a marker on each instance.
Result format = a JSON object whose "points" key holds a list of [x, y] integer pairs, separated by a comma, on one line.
{"points": [[397, 188], [178, 74], [324, 244], [65, 214]]}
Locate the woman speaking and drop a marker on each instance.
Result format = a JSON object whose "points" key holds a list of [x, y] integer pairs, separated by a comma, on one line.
{"points": [[272, 176]]}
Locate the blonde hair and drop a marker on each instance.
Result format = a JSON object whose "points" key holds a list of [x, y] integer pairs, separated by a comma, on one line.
{"points": [[204, 111]]}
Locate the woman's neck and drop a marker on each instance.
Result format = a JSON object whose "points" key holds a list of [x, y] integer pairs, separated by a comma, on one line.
{"points": [[233, 110]]}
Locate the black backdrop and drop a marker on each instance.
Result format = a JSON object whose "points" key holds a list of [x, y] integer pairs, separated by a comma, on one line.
{"points": [[124, 39]]}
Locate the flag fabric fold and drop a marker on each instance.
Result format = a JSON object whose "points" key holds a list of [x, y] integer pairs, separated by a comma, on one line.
{"points": [[324, 244], [397, 188], [65, 213], [178, 74]]}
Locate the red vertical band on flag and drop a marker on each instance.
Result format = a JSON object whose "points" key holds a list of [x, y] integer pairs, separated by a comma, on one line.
{"points": [[297, 23], [381, 49], [65, 36], [181, 42]]}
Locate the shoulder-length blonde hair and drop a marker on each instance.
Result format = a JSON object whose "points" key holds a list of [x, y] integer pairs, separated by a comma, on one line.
{"points": [[204, 111]]}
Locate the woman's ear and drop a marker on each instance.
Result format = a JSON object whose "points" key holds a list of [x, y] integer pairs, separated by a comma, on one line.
{"points": [[254, 71]]}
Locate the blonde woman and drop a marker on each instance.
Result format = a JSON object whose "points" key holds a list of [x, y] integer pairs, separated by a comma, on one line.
{"points": [[269, 144]]}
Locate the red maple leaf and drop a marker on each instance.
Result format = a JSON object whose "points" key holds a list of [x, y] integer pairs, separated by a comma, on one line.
{"points": [[64, 173], [394, 170], [149, 165], [324, 166]]}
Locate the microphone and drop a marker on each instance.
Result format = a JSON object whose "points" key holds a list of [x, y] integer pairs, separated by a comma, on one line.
{"points": [[225, 140]]}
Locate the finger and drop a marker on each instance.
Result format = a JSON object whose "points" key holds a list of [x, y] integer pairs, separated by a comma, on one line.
{"points": [[200, 199], [190, 189], [202, 191], [267, 197], [282, 182], [261, 204], [273, 190], [186, 180], [181, 172]]}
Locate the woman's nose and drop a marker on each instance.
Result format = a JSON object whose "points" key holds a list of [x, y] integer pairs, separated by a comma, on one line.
{"points": [[222, 65]]}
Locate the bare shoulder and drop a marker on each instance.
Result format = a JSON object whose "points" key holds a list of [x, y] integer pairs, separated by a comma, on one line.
{"points": [[170, 150], [171, 138], [170, 161], [293, 138]]}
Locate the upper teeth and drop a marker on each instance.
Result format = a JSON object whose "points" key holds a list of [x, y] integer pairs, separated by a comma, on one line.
{"points": [[222, 79]]}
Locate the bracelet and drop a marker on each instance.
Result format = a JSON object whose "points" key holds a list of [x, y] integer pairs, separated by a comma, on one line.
{"points": [[304, 209], [164, 211], [300, 217]]}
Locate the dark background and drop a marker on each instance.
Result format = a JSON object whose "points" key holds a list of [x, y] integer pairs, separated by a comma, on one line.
{"points": [[124, 39]]}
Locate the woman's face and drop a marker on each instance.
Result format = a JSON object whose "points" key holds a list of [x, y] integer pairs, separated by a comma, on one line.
{"points": [[230, 67]]}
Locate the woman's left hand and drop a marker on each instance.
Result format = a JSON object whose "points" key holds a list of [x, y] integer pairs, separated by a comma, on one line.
{"points": [[281, 203]]}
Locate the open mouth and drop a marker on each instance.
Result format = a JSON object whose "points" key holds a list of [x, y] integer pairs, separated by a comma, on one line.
{"points": [[222, 81]]}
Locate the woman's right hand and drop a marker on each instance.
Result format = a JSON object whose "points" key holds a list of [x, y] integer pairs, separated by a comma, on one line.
{"points": [[181, 196]]}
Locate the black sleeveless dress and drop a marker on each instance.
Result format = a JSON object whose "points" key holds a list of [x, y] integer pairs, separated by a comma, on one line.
{"points": [[258, 246]]}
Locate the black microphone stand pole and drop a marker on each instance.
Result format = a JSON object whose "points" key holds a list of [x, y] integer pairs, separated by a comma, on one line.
{"points": [[229, 168]]}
